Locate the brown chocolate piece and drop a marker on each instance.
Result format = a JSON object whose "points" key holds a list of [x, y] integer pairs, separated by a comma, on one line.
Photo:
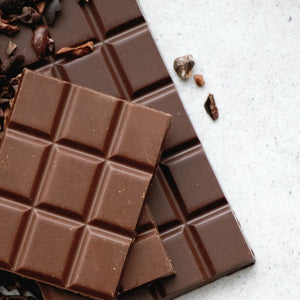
{"points": [[126, 63], [211, 108], [147, 260], [75, 166]]}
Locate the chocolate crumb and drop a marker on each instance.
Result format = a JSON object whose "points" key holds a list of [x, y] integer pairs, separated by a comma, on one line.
{"points": [[79, 51], [52, 10], [199, 80], [41, 42], [11, 48], [183, 66], [211, 108]]}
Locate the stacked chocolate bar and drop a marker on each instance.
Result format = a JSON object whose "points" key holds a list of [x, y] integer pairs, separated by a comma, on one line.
{"points": [[79, 152]]}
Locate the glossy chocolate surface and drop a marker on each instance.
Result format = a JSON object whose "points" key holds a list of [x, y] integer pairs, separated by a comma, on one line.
{"points": [[75, 168], [147, 260]]}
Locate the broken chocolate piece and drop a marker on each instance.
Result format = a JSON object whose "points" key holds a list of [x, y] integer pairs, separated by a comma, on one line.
{"points": [[11, 49], [41, 42], [53, 9], [183, 66], [7, 28], [211, 108], [199, 80], [79, 51]]}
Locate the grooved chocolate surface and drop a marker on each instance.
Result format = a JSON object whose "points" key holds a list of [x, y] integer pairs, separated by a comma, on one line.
{"points": [[196, 223], [75, 166], [147, 260]]}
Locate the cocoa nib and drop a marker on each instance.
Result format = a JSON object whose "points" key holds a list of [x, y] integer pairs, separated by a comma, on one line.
{"points": [[11, 48], [7, 91], [211, 108], [199, 80], [7, 28], [79, 51], [29, 15], [14, 66], [41, 42], [52, 10], [5, 104], [183, 66], [10, 7]]}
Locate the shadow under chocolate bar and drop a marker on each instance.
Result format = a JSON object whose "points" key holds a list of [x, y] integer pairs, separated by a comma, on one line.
{"points": [[196, 223]]}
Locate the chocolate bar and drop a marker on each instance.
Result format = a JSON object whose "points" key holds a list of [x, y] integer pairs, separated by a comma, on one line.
{"points": [[198, 227], [147, 260], [75, 166]]}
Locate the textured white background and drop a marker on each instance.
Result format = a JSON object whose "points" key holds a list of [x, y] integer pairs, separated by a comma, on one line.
{"points": [[249, 53]]}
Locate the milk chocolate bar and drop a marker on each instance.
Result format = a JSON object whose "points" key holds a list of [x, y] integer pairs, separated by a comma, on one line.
{"points": [[75, 166], [147, 260], [198, 227]]}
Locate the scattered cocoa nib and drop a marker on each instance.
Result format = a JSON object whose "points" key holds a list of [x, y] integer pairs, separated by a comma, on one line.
{"points": [[83, 2], [41, 6], [211, 108], [10, 7], [199, 80], [11, 48], [6, 89], [14, 287], [183, 66], [79, 51], [41, 42], [30, 16], [5, 104], [7, 28], [52, 10], [14, 66]]}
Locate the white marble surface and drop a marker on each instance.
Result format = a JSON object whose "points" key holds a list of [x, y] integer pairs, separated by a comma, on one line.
{"points": [[249, 53]]}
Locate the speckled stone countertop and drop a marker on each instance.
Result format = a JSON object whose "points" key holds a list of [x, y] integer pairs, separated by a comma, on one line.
{"points": [[249, 54]]}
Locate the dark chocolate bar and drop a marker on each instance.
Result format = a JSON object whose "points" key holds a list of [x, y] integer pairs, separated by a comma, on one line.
{"points": [[75, 166], [196, 222]]}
